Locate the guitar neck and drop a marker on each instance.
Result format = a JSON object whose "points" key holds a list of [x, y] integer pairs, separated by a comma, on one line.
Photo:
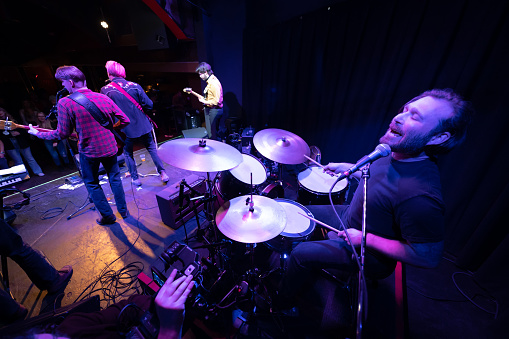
{"points": [[12, 125], [196, 95]]}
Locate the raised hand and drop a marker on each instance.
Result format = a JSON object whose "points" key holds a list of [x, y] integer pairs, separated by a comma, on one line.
{"points": [[170, 304]]}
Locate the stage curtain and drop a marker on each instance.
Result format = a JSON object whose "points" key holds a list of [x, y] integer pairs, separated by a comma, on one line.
{"points": [[337, 76]]}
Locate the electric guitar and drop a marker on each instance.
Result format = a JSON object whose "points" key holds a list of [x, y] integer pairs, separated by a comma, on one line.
{"points": [[199, 96]]}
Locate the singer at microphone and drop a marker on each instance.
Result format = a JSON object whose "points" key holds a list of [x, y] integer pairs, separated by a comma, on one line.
{"points": [[347, 169]]}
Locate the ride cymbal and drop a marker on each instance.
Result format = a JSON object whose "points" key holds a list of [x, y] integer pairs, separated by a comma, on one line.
{"points": [[236, 221], [201, 155], [281, 146]]}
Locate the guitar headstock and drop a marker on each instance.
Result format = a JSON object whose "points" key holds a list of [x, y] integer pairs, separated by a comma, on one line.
{"points": [[187, 90], [5, 124]]}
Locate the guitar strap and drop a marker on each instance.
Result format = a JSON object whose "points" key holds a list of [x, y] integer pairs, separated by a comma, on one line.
{"points": [[136, 103], [96, 113]]}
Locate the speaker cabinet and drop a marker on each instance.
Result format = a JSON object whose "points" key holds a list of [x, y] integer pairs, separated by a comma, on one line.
{"points": [[168, 201], [199, 132]]}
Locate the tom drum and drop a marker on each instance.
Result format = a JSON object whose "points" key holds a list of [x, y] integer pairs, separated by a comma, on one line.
{"points": [[298, 228], [237, 181], [314, 186]]}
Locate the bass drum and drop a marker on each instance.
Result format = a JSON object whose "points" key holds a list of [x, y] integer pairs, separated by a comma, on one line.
{"points": [[298, 228], [237, 181], [314, 186]]}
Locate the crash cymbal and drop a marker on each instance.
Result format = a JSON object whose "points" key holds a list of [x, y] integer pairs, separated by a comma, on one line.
{"points": [[281, 146], [201, 155], [235, 220]]}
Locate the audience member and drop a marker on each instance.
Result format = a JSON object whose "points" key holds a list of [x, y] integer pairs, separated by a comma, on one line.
{"points": [[16, 145], [28, 112], [54, 147]]}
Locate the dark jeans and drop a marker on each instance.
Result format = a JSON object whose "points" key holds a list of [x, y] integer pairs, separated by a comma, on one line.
{"points": [[60, 150], [150, 145], [90, 172], [38, 269], [215, 123]]}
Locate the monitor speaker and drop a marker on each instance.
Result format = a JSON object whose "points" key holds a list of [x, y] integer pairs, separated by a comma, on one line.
{"points": [[199, 132], [169, 201]]}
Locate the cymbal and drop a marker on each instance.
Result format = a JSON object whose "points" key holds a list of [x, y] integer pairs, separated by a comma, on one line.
{"points": [[237, 222], [201, 155], [281, 146]]}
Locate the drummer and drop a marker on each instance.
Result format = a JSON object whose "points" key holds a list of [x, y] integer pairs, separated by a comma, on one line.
{"points": [[405, 209]]}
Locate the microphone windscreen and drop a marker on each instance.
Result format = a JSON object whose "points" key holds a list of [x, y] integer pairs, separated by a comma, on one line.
{"points": [[384, 149]]}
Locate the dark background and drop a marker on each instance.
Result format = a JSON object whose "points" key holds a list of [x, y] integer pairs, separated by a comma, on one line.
{"points": [[332, 72]]}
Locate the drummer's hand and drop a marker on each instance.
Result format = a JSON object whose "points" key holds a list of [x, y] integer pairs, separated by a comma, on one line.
{"points": [[337, 167], [355, 236]]}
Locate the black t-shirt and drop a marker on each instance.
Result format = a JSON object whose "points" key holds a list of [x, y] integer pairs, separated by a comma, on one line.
{"points": [[404, 201]]}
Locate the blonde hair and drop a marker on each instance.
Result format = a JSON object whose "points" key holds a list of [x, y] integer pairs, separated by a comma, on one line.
{"points": [[115, 69]]}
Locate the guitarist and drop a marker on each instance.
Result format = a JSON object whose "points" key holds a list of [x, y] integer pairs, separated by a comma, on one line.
{"points": [[133, 101], [213, 100], [96, 143]]}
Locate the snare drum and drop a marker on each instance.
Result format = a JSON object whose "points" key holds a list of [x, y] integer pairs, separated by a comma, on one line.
{"points": [[237, 181], [314, 186], [298, 228]]}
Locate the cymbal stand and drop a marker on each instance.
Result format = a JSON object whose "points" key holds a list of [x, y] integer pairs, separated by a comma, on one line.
{"points": [[208, 203]]}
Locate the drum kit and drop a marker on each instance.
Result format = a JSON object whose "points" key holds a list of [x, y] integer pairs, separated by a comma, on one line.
{"points": [[245, 212]]}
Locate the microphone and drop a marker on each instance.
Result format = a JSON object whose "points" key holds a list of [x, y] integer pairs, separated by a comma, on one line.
{"points": [[380, 151]]}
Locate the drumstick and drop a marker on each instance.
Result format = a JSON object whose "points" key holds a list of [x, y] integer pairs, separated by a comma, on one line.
{"points": [[317, 163], [319, 222]]}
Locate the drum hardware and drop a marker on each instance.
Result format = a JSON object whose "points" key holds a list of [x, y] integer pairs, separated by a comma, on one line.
{"points": [[200, 232], [281, 146], [315, 155]]}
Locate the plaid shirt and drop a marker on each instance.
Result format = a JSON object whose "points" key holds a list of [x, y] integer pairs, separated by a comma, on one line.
{"points": [[95, 141]]}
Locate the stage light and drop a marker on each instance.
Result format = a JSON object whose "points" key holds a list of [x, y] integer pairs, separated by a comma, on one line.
{"points": [[104, 24]]}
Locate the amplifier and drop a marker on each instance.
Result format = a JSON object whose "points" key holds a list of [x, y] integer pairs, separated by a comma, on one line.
{"points": [[168, 201], [247, 136]]}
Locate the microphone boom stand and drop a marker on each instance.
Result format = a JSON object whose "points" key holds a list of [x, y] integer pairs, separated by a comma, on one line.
{"points": [[361, 304]]}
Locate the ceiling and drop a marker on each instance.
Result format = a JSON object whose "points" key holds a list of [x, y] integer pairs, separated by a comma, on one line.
{"points": [[32, 29]]}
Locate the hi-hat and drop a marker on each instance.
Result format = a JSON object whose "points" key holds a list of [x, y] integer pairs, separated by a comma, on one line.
{"points": [[201, 155], [236, 221], [281, 146]]}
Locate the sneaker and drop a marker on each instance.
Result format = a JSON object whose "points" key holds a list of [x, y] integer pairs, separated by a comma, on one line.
{"points": [[110, 219], [40, 174], [164, 177], [64, 275], [137, 182], [125, 215]]}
